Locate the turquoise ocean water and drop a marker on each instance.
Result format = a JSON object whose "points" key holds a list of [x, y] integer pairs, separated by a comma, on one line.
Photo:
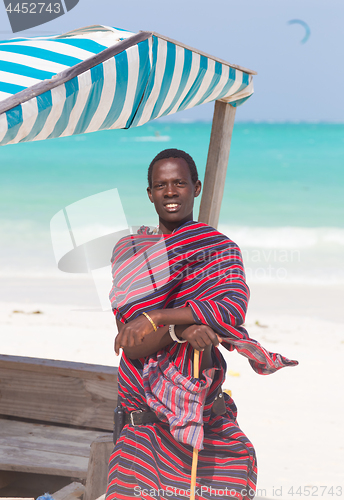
{"points": [[283, 201]]}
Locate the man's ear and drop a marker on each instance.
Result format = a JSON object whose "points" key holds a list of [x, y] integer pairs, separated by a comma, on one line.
{"points": [[149, 192], [198, 188]]}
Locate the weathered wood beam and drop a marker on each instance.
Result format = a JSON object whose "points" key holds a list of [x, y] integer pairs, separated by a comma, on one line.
{"points": [[62, 392], [45, 449], [73, 491], [98, 466], [216, 169]]}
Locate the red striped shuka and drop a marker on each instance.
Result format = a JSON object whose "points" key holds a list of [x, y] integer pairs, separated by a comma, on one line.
{"points": [[199, 267]]}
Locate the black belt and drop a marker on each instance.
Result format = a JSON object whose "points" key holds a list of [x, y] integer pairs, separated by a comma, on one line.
{"points": [[140, 417], [137, 417]]}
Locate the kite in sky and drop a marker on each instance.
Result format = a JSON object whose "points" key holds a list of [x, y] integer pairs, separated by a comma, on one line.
{"points": [[304, 25]]}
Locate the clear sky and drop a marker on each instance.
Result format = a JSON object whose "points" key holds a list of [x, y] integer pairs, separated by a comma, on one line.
{"points": [[295, 82]]}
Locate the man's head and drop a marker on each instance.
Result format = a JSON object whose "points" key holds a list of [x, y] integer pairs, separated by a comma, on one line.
{"points": [[173, 186], [174, 153]]}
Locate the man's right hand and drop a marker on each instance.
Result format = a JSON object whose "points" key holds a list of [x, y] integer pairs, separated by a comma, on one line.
{"points": [[200, 336]]}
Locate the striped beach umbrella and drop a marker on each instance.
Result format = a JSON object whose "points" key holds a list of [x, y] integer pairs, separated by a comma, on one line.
{"points": [[100, 78]]}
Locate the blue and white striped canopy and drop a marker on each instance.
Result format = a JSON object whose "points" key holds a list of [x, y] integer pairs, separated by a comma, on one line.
{"points": [[100, 78]]}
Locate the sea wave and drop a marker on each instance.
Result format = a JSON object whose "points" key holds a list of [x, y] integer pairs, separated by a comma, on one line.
{"points": [[284, 237], [147, 138], [271, 254], [245, 236], [254, 275]]}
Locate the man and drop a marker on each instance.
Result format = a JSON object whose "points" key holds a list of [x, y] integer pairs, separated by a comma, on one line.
{"points": [[179, 290]]}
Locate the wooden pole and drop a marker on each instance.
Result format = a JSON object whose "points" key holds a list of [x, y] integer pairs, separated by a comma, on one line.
{"points": [[218, 154], [214, 183], [195, 452], [97, 473]]}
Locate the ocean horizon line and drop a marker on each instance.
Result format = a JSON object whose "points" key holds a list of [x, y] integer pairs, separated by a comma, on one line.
{"points": [[184, 121]]}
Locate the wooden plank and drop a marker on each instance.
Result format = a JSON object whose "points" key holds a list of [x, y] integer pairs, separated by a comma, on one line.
{"points": [[59, 439], [97, 372], [235, 66], [46, 393], [217, 161], [45, 449], [97, 474], [56, 399], [42, 462], [72, 491]]}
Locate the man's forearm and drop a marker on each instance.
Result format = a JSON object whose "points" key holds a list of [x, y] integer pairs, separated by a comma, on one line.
{"points": [[177, 316], [151, 343], [159, 339], [137, 342]]}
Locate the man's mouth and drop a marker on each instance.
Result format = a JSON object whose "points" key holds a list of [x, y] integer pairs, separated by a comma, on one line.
{"points": [[172, 207]]}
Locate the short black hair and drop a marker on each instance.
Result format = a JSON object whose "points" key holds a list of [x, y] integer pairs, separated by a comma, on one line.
{"points": [[174, 153]]}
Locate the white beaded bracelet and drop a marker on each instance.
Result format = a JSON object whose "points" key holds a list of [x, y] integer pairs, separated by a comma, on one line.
{"points": [[174, 336]]}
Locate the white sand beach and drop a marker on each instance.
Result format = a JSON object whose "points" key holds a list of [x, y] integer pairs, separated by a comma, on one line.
{"points": [[293, 417]]}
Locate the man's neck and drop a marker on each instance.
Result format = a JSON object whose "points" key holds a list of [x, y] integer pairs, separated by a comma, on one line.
{"points": [[166, 227]]}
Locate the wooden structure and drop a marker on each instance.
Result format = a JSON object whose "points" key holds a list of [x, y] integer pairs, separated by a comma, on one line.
{"points": [[217, 161], [74, 491], [56, 418]]}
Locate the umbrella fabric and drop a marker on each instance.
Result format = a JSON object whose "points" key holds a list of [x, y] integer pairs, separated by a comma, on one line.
{"points": [[101, 78]]}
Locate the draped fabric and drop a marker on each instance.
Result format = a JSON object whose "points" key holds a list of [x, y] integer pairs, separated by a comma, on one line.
{"points": [[196, 266], [177, 397], [101, 78], [200, 267], [147, 463]]}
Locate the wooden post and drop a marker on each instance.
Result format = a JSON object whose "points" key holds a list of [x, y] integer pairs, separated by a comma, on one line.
{"points": [[218, 154], [73, 491], [98, 466]]}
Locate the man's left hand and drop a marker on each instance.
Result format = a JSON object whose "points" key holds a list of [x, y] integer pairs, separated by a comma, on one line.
{"points": [[132, 334]]}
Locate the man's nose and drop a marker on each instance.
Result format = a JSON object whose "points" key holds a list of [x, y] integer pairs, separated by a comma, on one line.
{"points": [[170, 190]]}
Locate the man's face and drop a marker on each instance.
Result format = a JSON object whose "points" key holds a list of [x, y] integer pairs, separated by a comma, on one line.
{"points": [[173, 192]]}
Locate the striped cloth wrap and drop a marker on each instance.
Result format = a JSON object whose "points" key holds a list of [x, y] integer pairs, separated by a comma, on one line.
{"points": [[199, 267]]}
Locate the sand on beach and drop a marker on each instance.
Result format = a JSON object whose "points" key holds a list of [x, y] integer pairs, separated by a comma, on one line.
{"points": [[293, 417]]}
